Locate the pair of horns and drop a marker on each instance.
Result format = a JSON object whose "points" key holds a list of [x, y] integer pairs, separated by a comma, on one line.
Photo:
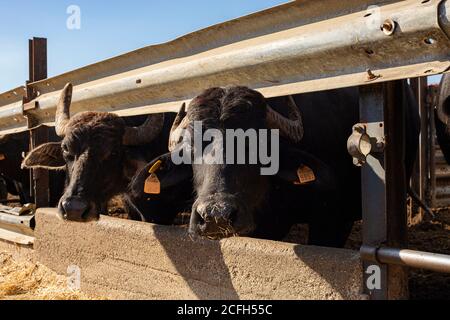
{"points": [[290, 127], [133, 136]]}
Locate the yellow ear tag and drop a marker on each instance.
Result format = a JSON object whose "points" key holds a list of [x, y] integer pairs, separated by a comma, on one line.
{"points": [[152, 183], [305, 175], [2, 157]]}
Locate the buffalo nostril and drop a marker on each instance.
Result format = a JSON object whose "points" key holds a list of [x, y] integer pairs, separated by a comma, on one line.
{"points": [[220, 217], [226, 216], [196, 223], [218, 213], [74, 209]]}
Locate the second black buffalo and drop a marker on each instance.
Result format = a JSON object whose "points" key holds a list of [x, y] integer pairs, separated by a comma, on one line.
{"points": [[235, 199]]}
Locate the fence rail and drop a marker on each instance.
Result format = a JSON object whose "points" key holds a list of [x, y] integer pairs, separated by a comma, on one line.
{"points": [[301, 46]]}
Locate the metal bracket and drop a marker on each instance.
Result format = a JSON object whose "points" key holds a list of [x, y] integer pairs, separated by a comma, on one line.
{"points": [[369, 253], [33, 105], [366, 139], [27, 106]]}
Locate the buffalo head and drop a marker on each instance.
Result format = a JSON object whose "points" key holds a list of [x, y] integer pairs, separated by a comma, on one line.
{"points": [[230, 195], [94, 152]]}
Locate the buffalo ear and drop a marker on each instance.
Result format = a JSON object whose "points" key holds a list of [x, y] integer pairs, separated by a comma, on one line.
{"points": [[169, 175], [292, 159], [47, 156], [173, 174]]}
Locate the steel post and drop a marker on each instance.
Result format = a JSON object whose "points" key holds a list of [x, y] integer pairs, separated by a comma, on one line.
{"points": [[421, 173], [384, 185], [39, 135]]}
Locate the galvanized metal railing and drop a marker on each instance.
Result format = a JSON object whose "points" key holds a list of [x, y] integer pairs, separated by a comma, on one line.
{"points": [[298, 47], [302, 46]]}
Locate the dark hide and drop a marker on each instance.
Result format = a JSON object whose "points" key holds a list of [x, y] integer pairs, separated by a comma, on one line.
{"points": [[14, 180], [176, 193], [97, 164], [238, 200]]}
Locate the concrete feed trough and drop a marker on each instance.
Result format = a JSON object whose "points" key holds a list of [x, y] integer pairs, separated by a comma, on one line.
{"points": [[121, 259]]}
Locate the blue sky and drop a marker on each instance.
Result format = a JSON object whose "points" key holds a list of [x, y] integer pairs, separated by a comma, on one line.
{"points": [[108, 28]]}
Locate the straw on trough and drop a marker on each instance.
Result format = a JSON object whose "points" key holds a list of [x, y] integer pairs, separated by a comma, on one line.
{"points": [[31, 281]]}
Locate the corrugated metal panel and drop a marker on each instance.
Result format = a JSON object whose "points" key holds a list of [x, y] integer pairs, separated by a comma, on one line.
{"points": [[11, 110], [442, 174], [438, 171]]}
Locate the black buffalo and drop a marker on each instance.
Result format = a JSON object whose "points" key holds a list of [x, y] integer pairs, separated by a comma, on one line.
{"points": [[100, 152], [13, 180], [235, 199]]}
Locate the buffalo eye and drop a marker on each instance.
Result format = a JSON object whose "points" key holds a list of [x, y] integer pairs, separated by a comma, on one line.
{"points": [[66, 153], [68, 156]]}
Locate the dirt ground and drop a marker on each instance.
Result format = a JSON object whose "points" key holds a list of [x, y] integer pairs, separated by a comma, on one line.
{"points": [[30, 281], [431, 236]]}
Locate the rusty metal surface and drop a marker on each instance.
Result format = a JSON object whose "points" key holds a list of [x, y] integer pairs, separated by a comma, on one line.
{"points": [[11, 119], [38, 71], [301, 46]]}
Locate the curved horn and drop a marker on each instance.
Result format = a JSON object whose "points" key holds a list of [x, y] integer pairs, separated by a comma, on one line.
{"points": [[146, 133], [291, 127], [180, 123], [62, 116]]}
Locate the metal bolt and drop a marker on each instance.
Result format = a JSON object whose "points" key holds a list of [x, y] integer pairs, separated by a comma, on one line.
{"points": [[380, 145], [372, 76], [388, 27]]}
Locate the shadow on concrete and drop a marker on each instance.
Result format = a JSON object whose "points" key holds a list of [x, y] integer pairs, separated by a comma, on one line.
{"points": [[338, 267], [201, 265]]}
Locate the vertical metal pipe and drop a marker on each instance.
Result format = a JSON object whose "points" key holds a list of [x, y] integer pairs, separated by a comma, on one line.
{"points": [[432, 145], [382, 110], [421, 176], [394, 114], [416, 212], [425, 136], [396, 216], [373, 187], [424, 166]]}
